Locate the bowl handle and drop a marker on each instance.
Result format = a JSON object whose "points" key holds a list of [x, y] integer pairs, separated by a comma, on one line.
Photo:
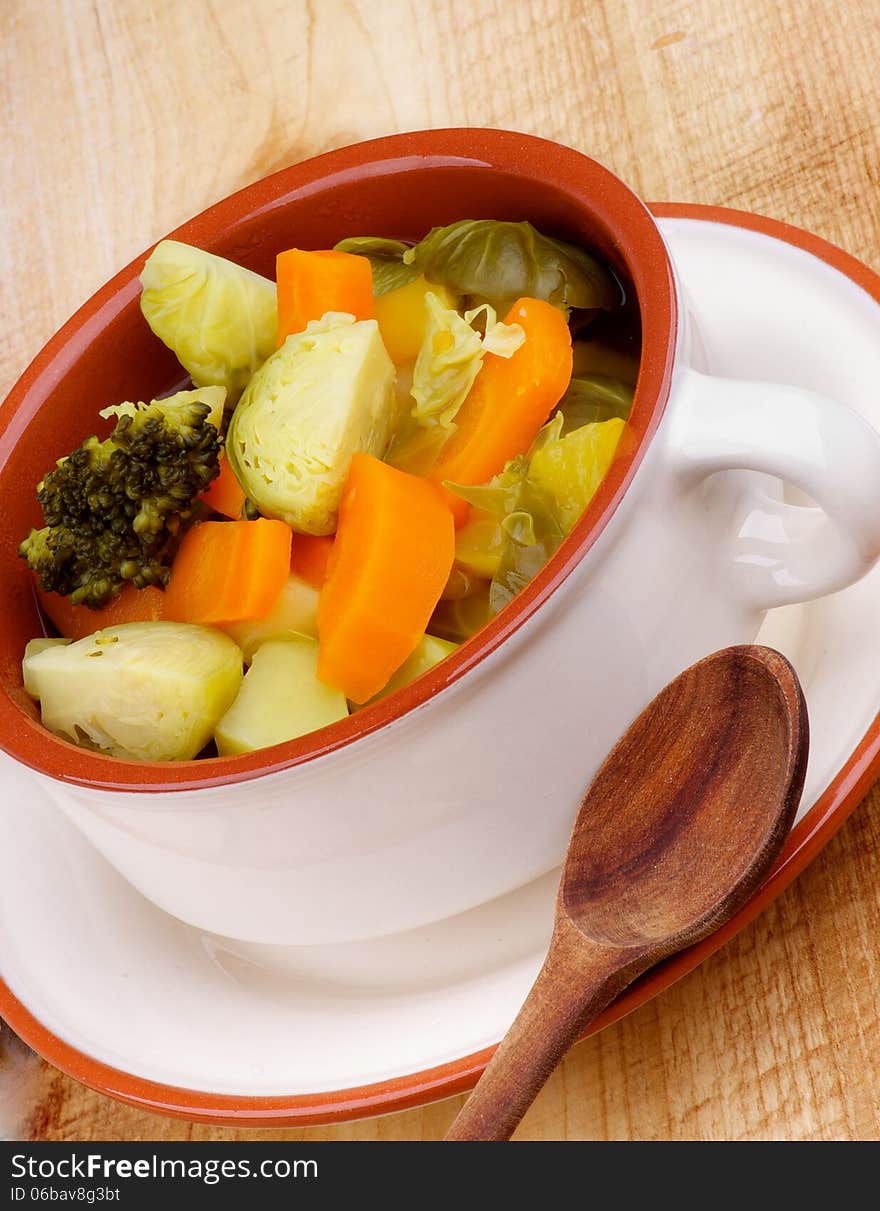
{"points": [[780, 552]]}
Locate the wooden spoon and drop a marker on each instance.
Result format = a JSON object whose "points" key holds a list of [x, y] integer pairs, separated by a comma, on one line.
{"points": [[681, 823]]}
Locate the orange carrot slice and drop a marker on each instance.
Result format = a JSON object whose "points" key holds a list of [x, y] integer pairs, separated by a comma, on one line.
{"points": [[310, 284], [394, 548], [77, 621], [225, 494], [509, 402], [309, 557], [228, 571]]}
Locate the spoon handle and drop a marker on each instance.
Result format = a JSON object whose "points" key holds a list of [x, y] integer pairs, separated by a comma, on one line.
{"points": [[579, 978]]}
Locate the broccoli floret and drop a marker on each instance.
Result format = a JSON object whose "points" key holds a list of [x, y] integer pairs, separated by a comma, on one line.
{"points": [[113, 508]]}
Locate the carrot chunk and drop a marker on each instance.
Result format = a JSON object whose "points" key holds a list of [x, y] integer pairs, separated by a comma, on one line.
{"points": [[78, 621], [225, 494], [309, 557], [228, 571], [310, 284], [509, 402], [391, 559]]}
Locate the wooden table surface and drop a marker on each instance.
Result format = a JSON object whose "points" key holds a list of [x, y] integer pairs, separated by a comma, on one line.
{"points": [[121, 118]]}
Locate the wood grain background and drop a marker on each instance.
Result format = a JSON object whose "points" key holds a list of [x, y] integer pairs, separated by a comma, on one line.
{"points": [[118, 120]]}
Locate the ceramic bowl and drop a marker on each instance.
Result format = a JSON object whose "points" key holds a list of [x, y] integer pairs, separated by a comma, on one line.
{"points": [[462, 786]]}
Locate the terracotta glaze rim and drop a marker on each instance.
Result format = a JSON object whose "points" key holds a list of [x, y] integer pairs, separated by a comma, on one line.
{"points": [[401, 1093], [558, 170]]}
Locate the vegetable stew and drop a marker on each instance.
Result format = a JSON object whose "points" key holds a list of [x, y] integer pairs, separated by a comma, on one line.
{"points": [[376, 453]]}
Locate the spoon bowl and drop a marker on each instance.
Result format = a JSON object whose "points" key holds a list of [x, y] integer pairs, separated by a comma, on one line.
{"points": [[683, 812], [681, 823]]}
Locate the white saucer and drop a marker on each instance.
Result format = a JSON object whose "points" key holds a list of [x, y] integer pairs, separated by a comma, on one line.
{"points": [[112, 976]]}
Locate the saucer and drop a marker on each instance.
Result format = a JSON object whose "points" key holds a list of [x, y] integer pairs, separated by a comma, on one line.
{"points": [[141, 1007]]}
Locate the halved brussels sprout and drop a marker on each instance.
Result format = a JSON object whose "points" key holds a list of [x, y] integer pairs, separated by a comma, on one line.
{"points": [[325, 395], [146, 691], [220, 319]]}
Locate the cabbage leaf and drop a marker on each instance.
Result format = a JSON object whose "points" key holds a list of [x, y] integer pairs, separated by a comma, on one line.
{"points": [[570, 469], [593, 398], [416, 448], [212, 397], [220, 319], [450, 358], [386, 260], [538, 498], [457, 620]]}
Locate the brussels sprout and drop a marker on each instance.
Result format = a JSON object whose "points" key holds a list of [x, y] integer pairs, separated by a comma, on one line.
{"points": [[146, 691], [280, 698], [325, 395], [498, 262], [220, 319]]}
